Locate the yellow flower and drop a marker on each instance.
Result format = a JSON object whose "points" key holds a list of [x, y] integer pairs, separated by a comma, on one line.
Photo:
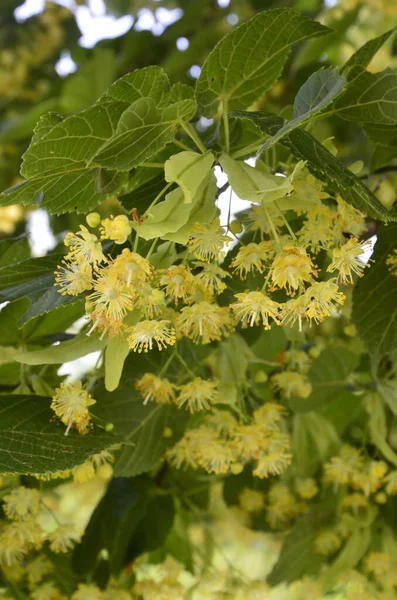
{"points": [[252, 307], [291, 268], [71, 403], [308, 193], [251, 501], [155, 389], [251, 258], [391, 261], [349, 219], [84, 246], [198, 394], [84, 472], [178, 282], [63, 538], [391, 483], [150, 300], [345, 260], [222, 421], [276, 460], [46, 591], [318, 231], [270, 414], [320, 299], [258, 218], [74, 278], [21, 503], [87, 592], [208, 242], [307, 488], [378, 563], [250, 440], [282, 506], [145, 334], [292, 384], [327, 542], [340, 469], [117, 229], [211, 277], [216, 457], [131, 267], [204, 322], [37, 569], [111, 297]]}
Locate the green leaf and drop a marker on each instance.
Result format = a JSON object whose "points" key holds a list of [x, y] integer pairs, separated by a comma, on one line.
{"points": [[34, 279], [203, 210], [189, 170], [142, 425], [342, 410], [55, 162], [298, 557], [113, 523], [252, 184], [166, 217], [84, 87], [142, 131], [79, 346], [117, 350], [248, 61], [374, 299], [30, 443], [154, 528], [149, 82], [323, 165], [328, 377], [363, 56], [142, 196], [370, 98], [351, 554], [378, 426], [316, 93]]}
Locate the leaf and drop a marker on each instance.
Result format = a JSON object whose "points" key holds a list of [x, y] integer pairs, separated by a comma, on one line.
{"points": [[112, 523], [323, 165], [142, 131], [363, 56], [83, 88], [370, 98], [248, 61], [34, 279], [203, 211], [79, 346], [342, 410], [252, 184], [189, 170], [377, 425], [374, 299], [154, 528], [149, 82], [316, 93], [142, 425], [298, 557], [351, 554], [30, 443], [117, 350], [328, 377], [55, 162], [166, 217], [142, 196]]}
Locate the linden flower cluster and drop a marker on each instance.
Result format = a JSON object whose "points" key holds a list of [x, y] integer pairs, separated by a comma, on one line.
{"points": [[197, 395], [224, 445], [24, 533]]}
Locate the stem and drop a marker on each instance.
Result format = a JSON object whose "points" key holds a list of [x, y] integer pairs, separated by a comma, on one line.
{"points": [[272, 227], [193, 135], [290, 231], [167, 363], [183, 363], [251, 148], [264, 286], [152, 247], [181, 145], [230, 209], [135, 248], [157, 198], [226, 127]]}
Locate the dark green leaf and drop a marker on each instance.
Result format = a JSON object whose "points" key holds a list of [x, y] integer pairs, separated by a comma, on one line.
{"points": [[323, 165], [315, 94], [113, 522], [30, 443], [363, 56], [374, 299], [141, 197], [248, 61], [328, 376], [298, 557]]}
